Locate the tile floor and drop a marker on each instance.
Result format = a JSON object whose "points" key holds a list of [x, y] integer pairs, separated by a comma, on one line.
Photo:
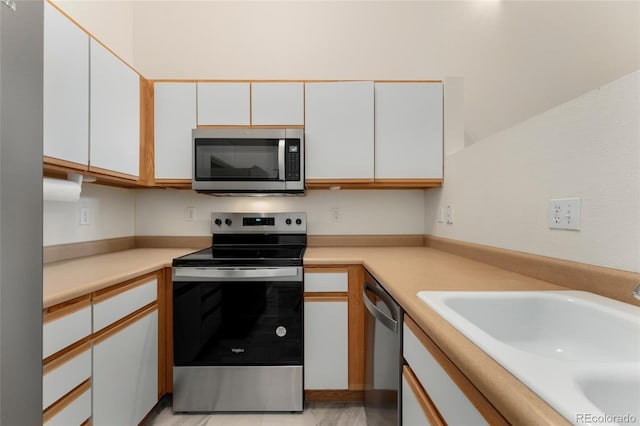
{"points": [[315, 414]]}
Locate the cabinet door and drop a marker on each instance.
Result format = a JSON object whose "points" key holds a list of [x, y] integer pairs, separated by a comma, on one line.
{"points": [[66, 89], [277, 104], [417, 408], [448, 398], [408, 130], [115, 113], [326, 354], [224, 104], [175, 117], [125, 372], [339, 130]]}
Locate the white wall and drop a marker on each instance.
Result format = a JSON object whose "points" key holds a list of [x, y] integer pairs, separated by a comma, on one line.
{"points": [[164, 212], [111, 215], [588, 148], [109, 21]]}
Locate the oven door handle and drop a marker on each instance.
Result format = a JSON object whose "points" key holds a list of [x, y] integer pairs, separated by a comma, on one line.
{"points": [[222, 272]]}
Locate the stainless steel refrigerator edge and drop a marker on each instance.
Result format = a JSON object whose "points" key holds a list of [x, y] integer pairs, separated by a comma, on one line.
{"points": [[21, 71], [383, 355]]}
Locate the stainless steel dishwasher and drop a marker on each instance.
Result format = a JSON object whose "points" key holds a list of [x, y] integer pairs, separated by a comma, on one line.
{"points": [[383, 355]]}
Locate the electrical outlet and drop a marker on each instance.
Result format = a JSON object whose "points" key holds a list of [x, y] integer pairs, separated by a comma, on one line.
{"points": [[440, 214], [450, 212], [84, 215], [191, 214], [336, 215], [565, 213]]}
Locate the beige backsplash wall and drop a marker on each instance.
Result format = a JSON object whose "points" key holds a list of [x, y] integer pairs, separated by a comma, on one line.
{"points": [[164, 212], [116, 212], [588, 148], [111, 215]]}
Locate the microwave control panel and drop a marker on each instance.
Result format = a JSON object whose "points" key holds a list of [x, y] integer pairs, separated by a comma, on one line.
{"points": [[292, 159]]}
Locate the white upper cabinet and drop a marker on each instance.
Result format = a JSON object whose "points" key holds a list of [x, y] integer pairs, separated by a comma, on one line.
{"points": [[339, 130], [175, 117], [408, 130], [277, 104], [66, 89], [115, 113], [224, 104]]}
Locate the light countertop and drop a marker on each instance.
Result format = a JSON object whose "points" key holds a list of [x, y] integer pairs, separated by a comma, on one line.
{"points": [[68, 279], [403, 271]]}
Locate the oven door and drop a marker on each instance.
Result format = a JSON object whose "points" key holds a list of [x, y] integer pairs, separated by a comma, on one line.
{"points": [[237, 316]]}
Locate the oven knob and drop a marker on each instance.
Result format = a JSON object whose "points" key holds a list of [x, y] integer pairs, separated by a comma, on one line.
{"points": [[217, 222], [227, 222], [298, 221], [288, 221]]}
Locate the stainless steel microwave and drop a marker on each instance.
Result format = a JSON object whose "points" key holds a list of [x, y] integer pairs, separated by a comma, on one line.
{"points": [[248, 161]]}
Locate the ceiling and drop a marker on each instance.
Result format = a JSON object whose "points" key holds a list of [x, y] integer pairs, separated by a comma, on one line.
{"points": [[516, 58]]}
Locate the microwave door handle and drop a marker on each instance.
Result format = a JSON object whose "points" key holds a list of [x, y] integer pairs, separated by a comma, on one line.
{"points": [[281, 163]]}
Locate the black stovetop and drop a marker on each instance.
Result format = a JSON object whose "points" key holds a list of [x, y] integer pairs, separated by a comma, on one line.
{"points": [[243, 256]]}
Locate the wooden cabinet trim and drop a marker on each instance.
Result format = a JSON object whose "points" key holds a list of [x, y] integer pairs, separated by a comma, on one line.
{"points": [[162, 336], [65, 401], [109, 292], [168, 330], [373, 183], [486, 409], [314, 269], [65, 163], [356, 328], [114, 328], [112, 173], [147, 133], [333, 395], [64, 356], [326, 297], [63, 309], [428, 407]]}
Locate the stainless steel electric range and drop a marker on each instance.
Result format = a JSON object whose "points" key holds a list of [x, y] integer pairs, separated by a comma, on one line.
{"points": [[238, 316]]}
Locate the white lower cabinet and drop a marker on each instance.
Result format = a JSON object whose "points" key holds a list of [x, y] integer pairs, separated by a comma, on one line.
{"points": [[451, 403], [125, 372], [326, 350], [412, 413], [105, 372]]}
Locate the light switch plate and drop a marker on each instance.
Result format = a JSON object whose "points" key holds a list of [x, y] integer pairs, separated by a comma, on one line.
{"points": [[565, 213]]}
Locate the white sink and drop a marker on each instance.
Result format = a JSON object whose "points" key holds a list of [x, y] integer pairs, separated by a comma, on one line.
{"points": [[578, 351]]}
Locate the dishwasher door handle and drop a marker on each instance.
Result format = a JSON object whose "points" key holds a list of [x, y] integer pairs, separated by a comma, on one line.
{"points": [[385, 319]]}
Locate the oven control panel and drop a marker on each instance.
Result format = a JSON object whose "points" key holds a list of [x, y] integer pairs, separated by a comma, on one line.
{"points": [[272, 223]]}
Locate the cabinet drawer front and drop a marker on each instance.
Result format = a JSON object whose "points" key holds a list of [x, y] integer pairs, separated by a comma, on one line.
{"points": [[114, 308], [326, 281], [76, 413], [452, 404], [66, 330], [65, 377], [412, 414]]}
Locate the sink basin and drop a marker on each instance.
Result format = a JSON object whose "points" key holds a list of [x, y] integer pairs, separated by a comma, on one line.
{"points": [[578, 351], [613, 394], [551, 324]]}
